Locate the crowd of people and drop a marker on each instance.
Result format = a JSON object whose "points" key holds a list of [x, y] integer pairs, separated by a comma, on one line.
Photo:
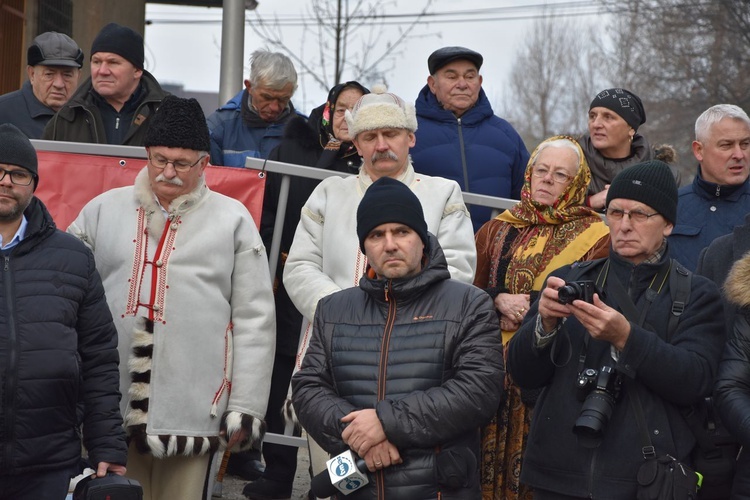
{"points": [[552, 351]]}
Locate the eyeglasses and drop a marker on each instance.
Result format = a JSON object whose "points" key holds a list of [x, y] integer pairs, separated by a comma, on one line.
{"points": [[18, 177], [180, 166], [557, 176], [635, 215]]}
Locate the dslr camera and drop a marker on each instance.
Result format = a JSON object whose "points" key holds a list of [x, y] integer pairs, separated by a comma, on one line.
{"points": [[599, 391], [577, 290]]}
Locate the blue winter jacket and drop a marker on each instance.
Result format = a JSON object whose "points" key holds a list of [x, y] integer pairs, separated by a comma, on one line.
{"points": [[233, 140], [480, 151], [706, 211]]}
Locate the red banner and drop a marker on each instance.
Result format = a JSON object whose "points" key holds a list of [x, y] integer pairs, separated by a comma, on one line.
{"points": [[68, 181]]}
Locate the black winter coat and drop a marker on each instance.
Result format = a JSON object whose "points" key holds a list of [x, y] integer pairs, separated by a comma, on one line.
{"points": [[732, 390], [425, 352], [669, 375], [58, 352], [301, 145]]}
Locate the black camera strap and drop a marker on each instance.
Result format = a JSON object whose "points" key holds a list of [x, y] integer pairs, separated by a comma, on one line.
{"points": [[648, 449]]}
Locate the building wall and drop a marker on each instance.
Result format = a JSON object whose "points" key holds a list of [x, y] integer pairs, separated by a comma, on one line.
{"points": [[22, 20], [12, 44]]}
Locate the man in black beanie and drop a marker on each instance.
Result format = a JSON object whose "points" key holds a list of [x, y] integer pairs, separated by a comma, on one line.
{"points": [[114, 105], [405, 364], [57, 342], [186, 276], [646, 333]]}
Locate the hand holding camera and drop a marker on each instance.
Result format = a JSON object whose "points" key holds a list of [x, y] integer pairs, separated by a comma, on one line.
{"points": [[583, 300]]}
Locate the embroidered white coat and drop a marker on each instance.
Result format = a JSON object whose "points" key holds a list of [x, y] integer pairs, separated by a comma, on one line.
{"points": [[212, 304]]}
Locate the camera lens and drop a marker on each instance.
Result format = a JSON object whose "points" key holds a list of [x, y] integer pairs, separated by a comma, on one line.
{"points": [[568, 293]]}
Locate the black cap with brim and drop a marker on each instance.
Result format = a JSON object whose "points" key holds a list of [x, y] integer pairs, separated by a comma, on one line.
{"points": [[443, 56]]}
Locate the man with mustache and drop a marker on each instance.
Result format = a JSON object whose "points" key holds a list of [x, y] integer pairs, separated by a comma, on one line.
{"points": [[460, 138], [54, 66], [115, 105], [58, 345], [325, 255], [187, 280]]}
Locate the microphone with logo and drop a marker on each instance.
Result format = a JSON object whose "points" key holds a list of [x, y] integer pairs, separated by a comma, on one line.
{"points": [[345, 474]]}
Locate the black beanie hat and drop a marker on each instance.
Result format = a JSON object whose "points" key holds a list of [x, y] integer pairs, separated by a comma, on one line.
{"points": [[122, 41], [623, 102], [650, 182], [388, 200], [16, 149], [178, 123]]}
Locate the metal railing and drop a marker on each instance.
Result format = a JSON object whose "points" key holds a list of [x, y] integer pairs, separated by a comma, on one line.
{"points": [[287, 171]]}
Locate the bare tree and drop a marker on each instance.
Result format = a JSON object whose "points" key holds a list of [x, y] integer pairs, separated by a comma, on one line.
{"points": [[553, 78], [681, 57], [343, 39]]}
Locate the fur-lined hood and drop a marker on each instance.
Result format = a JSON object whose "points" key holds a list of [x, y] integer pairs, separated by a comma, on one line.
{"points": [[737, 285]]}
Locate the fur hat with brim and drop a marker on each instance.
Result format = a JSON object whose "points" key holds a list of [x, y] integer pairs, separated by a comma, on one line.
{"points": [[381, 109], [178, 123]]}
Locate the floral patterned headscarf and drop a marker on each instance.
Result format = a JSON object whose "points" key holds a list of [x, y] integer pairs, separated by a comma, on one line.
{"points": [[568, 207]]}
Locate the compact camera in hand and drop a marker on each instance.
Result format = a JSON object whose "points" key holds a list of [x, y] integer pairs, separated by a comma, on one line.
{"points": [[577, 290]]}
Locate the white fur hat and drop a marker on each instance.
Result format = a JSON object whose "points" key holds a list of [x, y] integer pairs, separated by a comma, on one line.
{"points": [[381, 109]]}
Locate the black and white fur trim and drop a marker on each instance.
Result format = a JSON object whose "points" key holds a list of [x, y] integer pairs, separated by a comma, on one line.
{"points": [[136, 416], [291, 422], [234, 421]]}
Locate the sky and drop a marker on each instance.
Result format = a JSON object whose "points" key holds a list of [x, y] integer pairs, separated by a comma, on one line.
{"points": [[183, 44]]}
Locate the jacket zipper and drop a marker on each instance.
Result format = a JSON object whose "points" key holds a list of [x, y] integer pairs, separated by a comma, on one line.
{"points": [[382, 369], [463, 156], [11, 375]]}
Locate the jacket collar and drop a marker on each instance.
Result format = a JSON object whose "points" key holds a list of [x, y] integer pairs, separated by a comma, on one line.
{"points": [[146, 198], [709, 190], [428, 107], [408, 177]]}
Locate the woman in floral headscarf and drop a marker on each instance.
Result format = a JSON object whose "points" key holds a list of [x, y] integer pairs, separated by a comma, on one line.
{"points": [[550, 227], [322, 141]]}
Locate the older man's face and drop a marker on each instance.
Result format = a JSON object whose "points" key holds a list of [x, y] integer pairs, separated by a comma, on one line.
{"points": [[725, 154], [53, 85], [635, 241], [385, 151], [114, 77], [180, 175], [456, 86], [269, 103], [394, 250]]}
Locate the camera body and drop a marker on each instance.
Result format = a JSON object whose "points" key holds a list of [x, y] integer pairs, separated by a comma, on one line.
{"points": [[599, 391], [577, 290]]}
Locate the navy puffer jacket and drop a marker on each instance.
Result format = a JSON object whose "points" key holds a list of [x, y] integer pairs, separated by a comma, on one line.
{"points": [[58, 353], [428, 360], [480, 151]]}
